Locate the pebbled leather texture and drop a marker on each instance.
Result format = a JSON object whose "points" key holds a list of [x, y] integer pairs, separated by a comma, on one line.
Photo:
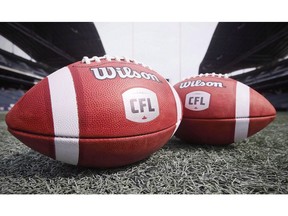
{"points": [[220, 111], [85, 103]]}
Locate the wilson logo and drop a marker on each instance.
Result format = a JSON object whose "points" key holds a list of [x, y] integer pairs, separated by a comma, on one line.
{"points": [[103, 73], [197, 83]]}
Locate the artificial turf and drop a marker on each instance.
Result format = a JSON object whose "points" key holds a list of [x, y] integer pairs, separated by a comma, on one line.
{"points": [[257, 165]]}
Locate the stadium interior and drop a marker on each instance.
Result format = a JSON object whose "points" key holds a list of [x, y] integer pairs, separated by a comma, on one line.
{"points": [[256, 165], [260, 47], [50, 45]]}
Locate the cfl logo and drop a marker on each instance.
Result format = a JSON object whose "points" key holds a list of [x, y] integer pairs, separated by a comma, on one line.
{"points": [[140, 104], [197, 101]]}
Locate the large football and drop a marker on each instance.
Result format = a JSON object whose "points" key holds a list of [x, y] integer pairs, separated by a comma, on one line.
{"points": [[98, 112], [219, 110]]}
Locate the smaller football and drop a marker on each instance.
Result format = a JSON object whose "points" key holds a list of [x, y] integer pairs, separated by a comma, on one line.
{"points": [[219, 110]]}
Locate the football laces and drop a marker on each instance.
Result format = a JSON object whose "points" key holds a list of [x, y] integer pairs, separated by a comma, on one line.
{"points": [[87, 60]]}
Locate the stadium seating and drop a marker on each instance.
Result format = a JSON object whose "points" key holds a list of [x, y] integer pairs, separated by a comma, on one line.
{"points": [[8, 97], [271, 81]]}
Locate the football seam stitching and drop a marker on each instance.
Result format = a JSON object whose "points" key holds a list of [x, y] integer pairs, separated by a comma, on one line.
{"points": [[49, 136], [230, 118]]}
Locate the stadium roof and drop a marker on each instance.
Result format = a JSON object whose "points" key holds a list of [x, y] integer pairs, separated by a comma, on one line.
{"points": [[243, 45], [51, 45], [54, 44], [16, 71]]}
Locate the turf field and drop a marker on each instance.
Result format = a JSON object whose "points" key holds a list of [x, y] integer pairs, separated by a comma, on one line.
{"points": [[258, 165]]}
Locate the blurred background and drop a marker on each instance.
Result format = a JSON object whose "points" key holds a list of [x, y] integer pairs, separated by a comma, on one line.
{"points": [[254, 53]]}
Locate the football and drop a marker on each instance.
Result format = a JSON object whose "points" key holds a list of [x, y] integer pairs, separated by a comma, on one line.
{"points": [[218, 110], [99, 112]]}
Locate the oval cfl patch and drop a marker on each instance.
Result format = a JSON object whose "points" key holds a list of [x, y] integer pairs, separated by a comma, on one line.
{"points": [[141, 105], [197, 100]]}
